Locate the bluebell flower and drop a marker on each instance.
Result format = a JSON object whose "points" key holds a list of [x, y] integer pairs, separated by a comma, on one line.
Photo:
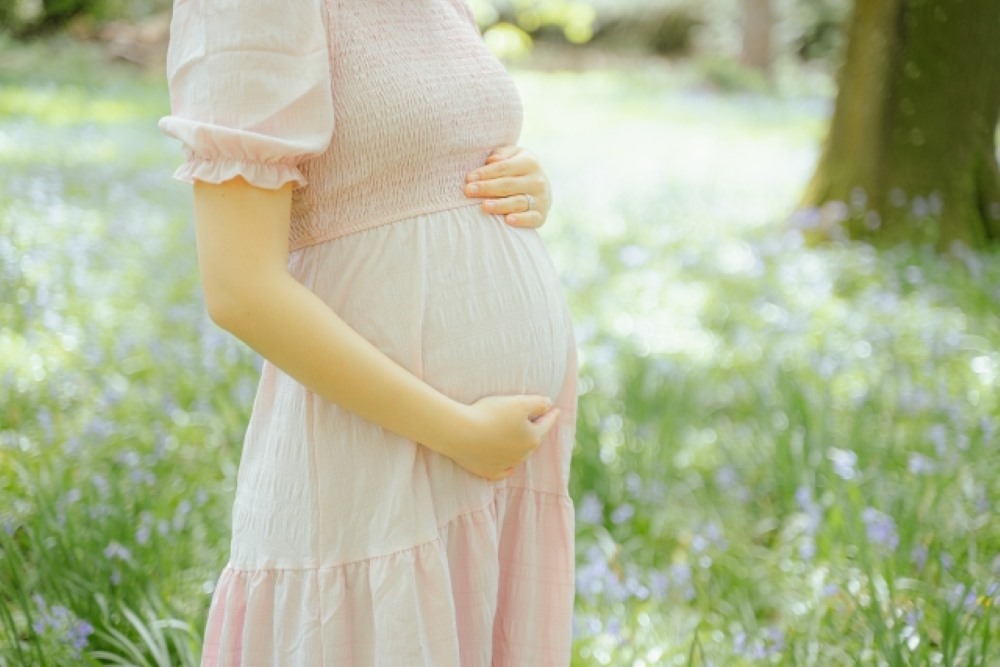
{"points": [[633, 482], [591, 509], [938, 435], [935, 203], [873, 220], [636, 588], [921, 465], [115, 550], [100, 482], [806, 218], [813, 512], [762, 648], [919, 556], [622, 513], [726, 476], [880, 528], [593, 575], [680, 575], [78, 635], [659, 585], [988, 425], [180, 515], [710, 537], [858, 198], [586, 625], [844, 462], [60, 623]]}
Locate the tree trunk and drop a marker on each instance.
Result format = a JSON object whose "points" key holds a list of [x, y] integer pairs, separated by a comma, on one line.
{"points": [[757, 22], [911, 152]]}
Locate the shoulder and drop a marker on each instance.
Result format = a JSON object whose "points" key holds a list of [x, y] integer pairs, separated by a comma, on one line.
{"points": [[465, 10]]}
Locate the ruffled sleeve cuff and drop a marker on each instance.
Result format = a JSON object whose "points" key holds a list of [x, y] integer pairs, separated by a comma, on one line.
{"points": [[270, 176], [218, 154]]}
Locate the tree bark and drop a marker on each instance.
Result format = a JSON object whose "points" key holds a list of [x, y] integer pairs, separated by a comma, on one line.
{"points": [[911, 151], [757, 22]]}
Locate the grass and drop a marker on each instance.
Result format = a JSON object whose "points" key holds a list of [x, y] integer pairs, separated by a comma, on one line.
{"points": [[785, 456]]}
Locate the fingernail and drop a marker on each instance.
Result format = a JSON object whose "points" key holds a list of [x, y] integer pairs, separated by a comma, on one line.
{"points": [[472, 177], [472, 189], [490, 206]]}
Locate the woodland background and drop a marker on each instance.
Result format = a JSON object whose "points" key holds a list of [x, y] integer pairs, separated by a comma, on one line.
{"points": [[776, 224]]}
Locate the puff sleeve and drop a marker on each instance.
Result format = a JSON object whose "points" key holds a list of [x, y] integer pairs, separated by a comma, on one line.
{"points": [[250, 89]]}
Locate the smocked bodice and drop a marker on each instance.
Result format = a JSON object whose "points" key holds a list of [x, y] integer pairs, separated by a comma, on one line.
{"points": [[410, 122]]}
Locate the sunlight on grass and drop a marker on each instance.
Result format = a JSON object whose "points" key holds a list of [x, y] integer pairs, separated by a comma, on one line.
{"points": [[66, 105]]}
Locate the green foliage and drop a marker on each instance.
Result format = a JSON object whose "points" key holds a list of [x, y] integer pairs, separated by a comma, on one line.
{"points": [[785, 454], [25, 18], [803, 30]]}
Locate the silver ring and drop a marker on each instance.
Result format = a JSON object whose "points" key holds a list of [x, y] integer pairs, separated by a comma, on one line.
{"points": [[531, 202]]}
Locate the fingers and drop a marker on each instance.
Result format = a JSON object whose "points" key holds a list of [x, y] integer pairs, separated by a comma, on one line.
{"points": [[520, 163], [545, 423], [501, 187], [516, 212], [528, 220], [503, 153], [517, 203], [537, 406], [511, 184]]}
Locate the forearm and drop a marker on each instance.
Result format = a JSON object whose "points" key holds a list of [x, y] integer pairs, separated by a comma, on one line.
{"points": [[242, 235], [295, 330]]}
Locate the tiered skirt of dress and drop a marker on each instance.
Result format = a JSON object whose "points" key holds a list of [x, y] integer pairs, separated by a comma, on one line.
{"points": [[353, 546]]}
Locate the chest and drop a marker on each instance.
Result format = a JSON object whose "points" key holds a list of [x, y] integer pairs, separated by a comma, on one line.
{"points": [[416, 76]]}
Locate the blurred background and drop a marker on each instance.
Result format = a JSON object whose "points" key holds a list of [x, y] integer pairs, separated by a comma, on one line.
{"points": [[776, 223]]}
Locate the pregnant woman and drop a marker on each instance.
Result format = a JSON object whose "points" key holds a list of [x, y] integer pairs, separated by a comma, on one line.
{"points": [[366, 223]]}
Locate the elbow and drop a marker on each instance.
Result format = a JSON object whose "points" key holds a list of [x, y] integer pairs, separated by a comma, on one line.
{"points": [[239, 304], [226, 307]]}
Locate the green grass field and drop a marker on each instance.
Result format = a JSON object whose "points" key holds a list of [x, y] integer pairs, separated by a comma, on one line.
{"points": [[786, 455]]}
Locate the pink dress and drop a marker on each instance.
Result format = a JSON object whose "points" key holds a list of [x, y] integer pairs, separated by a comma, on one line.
{"points": [[351, 545]]}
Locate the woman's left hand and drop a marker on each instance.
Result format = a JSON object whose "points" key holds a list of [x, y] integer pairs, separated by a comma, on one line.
{"points": [[512, 184]]}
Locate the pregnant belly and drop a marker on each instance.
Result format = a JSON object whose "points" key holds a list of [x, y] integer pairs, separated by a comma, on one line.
{"points": [[464, 301]]}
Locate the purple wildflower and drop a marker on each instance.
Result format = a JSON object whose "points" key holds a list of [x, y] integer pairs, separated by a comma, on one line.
{"points": [[115, 550], [622, 513], [614, 627], [919, 556], [880, 528], [659, 585], [59, 622], [921, 465], [844, 462], [591, 509], [633, 482], [711, 537], [938, 435], [680, 575]]}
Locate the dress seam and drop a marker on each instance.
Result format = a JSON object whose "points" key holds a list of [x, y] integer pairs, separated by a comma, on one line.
{"points": [[538, 491], [303, 239], [440, 529]]}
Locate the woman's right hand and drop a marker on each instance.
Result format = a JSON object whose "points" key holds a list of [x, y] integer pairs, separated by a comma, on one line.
{"points": [[499, 433]]}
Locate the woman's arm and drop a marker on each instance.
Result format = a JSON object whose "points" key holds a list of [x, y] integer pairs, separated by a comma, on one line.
{"points": [[242, 234]]}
